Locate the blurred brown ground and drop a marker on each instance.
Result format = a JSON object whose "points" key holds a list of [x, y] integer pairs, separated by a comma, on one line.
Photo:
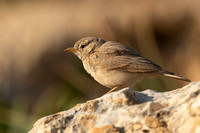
{"points": [[37, 78]]}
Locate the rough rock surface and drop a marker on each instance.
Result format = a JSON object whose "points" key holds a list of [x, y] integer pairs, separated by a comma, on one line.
{"points": [[126, 111]]}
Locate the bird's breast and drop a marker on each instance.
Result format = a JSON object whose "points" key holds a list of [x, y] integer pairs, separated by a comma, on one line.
{"points": [[89, 67]]}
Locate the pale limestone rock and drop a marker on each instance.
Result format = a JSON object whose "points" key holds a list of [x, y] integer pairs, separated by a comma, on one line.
{"points": [[127, 111]]}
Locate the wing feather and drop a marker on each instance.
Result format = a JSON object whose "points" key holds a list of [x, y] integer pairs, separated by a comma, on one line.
{"points": [[121, 58]]}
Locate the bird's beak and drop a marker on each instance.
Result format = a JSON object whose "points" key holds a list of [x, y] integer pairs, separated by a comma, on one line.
{"points": [[73, 50]]}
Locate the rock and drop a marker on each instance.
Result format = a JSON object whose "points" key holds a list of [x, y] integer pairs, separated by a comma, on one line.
{"points": [[126, 111]]}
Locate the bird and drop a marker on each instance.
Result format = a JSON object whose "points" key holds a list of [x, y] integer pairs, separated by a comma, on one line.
{"points": [[115, 65]]}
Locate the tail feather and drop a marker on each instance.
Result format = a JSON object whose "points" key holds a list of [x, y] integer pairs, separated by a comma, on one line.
{"points": [[172, 75]]}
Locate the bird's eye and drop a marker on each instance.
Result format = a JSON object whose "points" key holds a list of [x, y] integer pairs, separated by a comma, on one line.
{"points": [[82, 46]]}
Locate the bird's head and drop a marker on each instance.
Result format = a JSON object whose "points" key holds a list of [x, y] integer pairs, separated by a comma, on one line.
{"points": [[85, 46]]}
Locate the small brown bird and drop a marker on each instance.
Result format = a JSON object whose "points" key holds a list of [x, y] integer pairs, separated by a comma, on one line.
{"points": [[115, 65]]}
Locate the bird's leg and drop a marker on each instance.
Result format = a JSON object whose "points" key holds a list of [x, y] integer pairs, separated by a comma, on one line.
{"points": [[112, 90]]}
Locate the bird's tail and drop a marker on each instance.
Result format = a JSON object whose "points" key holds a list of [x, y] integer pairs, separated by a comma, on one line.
{"points": [[172, 75]]}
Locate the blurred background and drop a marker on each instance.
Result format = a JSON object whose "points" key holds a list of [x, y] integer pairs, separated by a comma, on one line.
{"points": [[37, 78]]}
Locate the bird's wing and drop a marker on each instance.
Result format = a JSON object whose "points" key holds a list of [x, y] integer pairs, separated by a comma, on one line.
{"points": [[122, 58]]}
